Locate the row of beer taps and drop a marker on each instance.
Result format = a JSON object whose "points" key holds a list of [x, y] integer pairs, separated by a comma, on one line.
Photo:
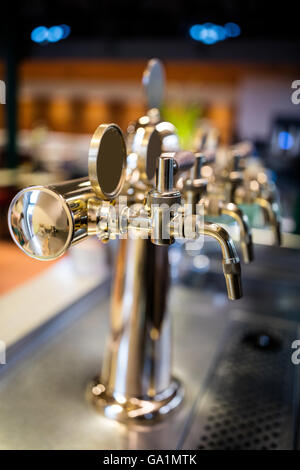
{"points": [[148, 192], [232, 180], [152, 171], [218, 177]]}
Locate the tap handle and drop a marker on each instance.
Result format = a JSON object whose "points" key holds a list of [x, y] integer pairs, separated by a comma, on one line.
{"points": [[183, 161], [154, 83], [239, 152], [200, 160], [210, 156], [236, 161], [244, 148]]}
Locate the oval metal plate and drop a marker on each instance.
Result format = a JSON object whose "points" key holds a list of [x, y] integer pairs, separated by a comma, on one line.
{"points": [[154, 149], [147, 145], [107, 161]]}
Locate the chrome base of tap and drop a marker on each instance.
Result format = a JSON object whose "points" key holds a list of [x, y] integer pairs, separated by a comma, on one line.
{"points": [[135, 409]]}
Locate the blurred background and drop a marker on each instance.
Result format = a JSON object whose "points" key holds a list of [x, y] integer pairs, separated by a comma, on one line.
{"points": [[67, 66]]}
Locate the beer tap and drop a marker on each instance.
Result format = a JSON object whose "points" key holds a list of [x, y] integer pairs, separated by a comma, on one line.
{"points": [[164, 197], [241, 187], [234, 182], [257, 189], [136, 380], [195, 192]]}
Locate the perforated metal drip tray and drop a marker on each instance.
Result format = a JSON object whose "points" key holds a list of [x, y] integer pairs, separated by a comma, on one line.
{"points": [[251, 398]]}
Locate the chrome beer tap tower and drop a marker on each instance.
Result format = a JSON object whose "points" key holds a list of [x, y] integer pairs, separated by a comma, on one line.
{"points": [[133, 196]]}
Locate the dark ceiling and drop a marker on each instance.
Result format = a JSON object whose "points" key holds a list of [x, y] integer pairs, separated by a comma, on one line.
{"points": [[158, 18], [112, 22]]}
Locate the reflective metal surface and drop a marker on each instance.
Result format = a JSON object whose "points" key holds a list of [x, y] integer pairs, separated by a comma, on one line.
{"points": [[136, 380], [252, 396], [146, 147], [45, 389], [150, 135], [244, 186], [234, 178], [45, 221], [107, 161], [233, 211], [271, 212], [231, 262], [195, 192]]}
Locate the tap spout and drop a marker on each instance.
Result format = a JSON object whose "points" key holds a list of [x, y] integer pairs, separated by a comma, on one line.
{"points": [[271, 213], [233, 211], [231, 262]]}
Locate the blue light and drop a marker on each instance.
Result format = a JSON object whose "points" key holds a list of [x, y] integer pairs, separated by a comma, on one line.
{"points": [[285, 140], [220, 32], [209, 33], [39, 34], [232, 30], [195, 32], [55, 33], [66, 30]]}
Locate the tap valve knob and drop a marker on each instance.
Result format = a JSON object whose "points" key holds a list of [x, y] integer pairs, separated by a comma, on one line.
{"points": [[165, 173], [195, 186], [164, 191], [164, 198], [170, 164]]}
